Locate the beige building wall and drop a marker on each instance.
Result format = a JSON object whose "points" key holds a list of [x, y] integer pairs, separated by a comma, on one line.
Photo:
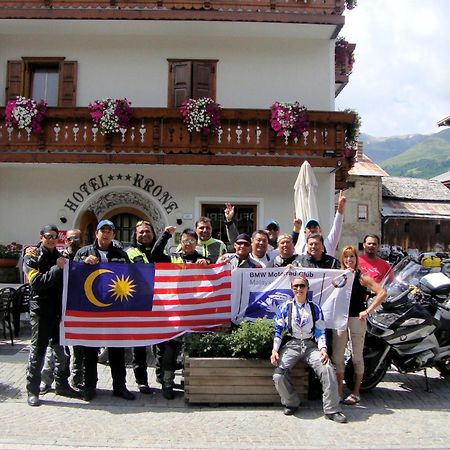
{"points": [[365, 195]]}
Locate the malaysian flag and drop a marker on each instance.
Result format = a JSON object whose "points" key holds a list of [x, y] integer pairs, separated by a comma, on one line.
{"points": [[127, 305]]}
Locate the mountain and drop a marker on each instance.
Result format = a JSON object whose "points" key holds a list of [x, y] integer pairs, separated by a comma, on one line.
{"points": [[417, 155]]}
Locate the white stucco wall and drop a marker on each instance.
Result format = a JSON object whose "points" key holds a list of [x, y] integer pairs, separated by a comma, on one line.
{"points": [[257, 63], [33, 195]]}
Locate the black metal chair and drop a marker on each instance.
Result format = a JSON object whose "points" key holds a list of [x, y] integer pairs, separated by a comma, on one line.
{"points": [[6, 308], [21, 304]]}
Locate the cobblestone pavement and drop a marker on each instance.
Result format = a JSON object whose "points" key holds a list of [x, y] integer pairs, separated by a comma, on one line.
{"points": [[397, 414]]}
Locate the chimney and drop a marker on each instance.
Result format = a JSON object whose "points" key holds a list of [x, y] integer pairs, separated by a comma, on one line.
{"points": [[359, 150]]}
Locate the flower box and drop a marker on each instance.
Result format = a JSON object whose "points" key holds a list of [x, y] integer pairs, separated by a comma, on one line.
{"points": [[236, 380]]}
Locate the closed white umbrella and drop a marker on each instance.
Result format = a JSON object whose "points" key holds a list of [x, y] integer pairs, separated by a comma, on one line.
{"points": [[305, 192]]}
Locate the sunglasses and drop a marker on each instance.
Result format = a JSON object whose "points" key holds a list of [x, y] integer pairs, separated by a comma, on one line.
{"points": [[189, 241], [143, 222], [298, 286], [50, 236], [73, 239], [244, 243]]}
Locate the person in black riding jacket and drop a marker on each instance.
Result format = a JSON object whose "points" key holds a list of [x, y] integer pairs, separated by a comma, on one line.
{"points": [[43, 266], [104, 250]]}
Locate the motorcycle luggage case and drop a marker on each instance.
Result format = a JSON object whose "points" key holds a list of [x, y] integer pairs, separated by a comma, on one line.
{"points": [[435, 283]]}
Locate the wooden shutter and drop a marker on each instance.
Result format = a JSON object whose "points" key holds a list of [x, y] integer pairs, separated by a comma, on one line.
{"points": [[67, 93], [203, 80], [181, 86], [14, 79]]}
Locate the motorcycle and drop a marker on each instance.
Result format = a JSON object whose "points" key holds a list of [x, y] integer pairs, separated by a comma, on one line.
{"points": [[411, 329]]}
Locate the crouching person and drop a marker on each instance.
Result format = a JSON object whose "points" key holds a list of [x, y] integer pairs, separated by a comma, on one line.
{"points": [[302, 320]]}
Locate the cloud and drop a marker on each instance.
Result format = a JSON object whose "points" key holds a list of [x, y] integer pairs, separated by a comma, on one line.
{"points": [[399, 83]]}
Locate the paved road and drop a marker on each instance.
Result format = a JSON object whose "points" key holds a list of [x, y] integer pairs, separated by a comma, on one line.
{"points": [[397, 414]]}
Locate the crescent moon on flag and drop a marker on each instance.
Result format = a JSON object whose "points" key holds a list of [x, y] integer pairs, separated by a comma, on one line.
{"points": [[88, 288]]}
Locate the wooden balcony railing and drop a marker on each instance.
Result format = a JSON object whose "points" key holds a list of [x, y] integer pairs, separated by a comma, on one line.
{"points": [[158, 136], [166, 9]]}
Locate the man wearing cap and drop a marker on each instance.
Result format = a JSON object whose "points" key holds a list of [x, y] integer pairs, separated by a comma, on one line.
{"points": [[331, 242], [104, 250], [241, 259], [43, 266], [72, 243]]}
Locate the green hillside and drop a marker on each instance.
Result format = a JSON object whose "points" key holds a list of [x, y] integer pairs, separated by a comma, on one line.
{"points": [[426, 159]]}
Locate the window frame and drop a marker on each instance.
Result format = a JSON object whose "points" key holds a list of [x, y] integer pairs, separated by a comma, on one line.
{"points": [[170, 84]]}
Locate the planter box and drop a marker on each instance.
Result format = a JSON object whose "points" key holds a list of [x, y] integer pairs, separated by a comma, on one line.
{"points": [[235, 380]]}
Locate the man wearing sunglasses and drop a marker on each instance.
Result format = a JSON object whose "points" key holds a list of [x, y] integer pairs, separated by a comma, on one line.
{"points": [[241, 258], [72, 243], [43, 266], [301, 322]]}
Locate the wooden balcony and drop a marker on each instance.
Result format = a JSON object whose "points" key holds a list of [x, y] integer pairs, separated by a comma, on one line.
{"points": [[158, 136], [290, 11]]}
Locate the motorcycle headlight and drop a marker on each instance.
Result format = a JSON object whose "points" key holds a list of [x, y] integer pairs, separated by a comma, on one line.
{"points": [[412, 321]]}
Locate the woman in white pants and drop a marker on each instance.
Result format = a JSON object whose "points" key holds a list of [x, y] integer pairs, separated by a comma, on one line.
{"points": [[356, 327]]}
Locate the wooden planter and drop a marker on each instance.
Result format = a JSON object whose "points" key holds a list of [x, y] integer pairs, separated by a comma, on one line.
{"points": [[236, 380]]}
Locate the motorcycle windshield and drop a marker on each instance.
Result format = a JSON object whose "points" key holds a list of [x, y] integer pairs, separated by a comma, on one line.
{"points": [[405, 274]]}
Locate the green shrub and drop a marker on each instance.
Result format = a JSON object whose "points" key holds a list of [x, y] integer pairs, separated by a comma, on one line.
{"points": [[248, 340]]}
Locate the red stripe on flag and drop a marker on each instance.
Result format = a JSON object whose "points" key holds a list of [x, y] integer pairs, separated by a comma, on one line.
{"points": [[141, 324], [120, 337], [186, 290], [191, 300], [159, 313], [186, 278]]}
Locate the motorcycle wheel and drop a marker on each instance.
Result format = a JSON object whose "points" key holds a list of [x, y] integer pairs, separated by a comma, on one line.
{"points": [[370, 379], [444, 368]]}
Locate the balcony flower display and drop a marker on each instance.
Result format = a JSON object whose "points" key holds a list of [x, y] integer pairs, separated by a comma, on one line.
{"points": [[288, 119], [351, 136], [350, 4], [110, 115], [343, 55], [25, 114], [202, 115]]}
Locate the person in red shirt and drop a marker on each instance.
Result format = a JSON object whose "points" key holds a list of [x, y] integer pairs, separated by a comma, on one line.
{"points": [[370, 263]]}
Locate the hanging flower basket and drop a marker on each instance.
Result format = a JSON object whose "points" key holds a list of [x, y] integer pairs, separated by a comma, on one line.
{"points": [[350, 4], [202, 115], [288, 119], [25, 114], [110, 115], [343, 55]]}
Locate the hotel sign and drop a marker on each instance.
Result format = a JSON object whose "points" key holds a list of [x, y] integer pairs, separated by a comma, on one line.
{"points": [[136, 180]]}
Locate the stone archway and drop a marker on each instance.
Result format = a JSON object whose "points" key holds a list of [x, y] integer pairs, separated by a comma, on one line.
{"points": [[120, 201]]}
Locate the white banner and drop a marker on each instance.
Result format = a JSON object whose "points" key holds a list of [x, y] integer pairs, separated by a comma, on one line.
{"points": [[259, 292]]}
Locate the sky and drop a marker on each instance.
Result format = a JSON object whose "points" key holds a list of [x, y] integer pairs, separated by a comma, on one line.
{"points": [[400, 82]]}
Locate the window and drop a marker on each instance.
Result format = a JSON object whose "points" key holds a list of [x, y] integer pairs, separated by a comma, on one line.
{"points": [[52, 79], [191, 79], [363, 212], [44, 84], [438, 228], [125, 227], [244, 218]]}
